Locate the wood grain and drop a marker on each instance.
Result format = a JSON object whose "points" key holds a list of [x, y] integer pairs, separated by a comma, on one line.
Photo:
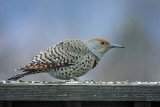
{"points": [[78, 92]]}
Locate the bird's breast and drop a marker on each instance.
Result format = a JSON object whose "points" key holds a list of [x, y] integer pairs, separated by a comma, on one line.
{"points": [[80, 68]]}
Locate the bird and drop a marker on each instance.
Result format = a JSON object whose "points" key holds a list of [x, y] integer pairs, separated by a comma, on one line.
{"points": [[68, 59]]}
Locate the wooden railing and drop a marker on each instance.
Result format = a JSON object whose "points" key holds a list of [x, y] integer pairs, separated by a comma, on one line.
{"points": [[79, 94]]}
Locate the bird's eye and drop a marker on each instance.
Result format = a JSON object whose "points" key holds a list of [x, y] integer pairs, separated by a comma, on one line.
{"points": [[102, 43]]}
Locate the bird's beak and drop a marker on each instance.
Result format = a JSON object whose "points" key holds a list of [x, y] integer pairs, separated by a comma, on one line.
{"points": [[115, 46]]}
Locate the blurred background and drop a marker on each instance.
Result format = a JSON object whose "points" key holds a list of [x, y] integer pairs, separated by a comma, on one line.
{"points": [[30, 26]]}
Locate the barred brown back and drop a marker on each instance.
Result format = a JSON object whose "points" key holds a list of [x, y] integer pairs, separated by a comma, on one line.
{"points": [[62, 54]]}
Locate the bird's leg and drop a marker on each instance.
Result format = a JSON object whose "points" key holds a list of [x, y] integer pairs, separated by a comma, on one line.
{"points": [[76, 78]]}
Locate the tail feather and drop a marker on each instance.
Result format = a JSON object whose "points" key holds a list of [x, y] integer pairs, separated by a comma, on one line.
{"points": [[22, 74]]}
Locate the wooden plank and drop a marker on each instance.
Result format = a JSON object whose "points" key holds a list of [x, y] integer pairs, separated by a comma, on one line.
{"points": [[142, 104], [155, 104], [107, 104], [79, 92], [1, 104], [73, 104], [69, 104], [38, 104], [6, 104]]}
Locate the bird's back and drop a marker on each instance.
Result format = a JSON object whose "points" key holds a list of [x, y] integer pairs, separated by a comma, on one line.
{"points": [[64, 53]]}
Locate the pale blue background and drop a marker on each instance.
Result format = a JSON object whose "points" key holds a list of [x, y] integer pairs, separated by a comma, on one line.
{"points": [[30, 26]]}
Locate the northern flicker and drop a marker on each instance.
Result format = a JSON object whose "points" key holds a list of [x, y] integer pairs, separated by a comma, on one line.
{"points": [[68, 59]]}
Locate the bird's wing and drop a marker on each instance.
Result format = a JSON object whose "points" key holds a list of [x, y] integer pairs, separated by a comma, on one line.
{"points": [[63, 54]]}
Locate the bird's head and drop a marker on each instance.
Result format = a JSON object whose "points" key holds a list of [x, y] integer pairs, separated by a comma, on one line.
{"points": [[99, 46]]}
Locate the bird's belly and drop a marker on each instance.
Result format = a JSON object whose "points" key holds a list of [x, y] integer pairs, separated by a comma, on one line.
{"points": [[67, 73]]}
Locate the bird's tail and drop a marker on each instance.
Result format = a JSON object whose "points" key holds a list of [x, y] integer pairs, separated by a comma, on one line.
{"points": [[22, 74]]}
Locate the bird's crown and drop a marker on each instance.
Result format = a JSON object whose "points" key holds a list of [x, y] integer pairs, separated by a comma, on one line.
{"points": [[100, 40]]}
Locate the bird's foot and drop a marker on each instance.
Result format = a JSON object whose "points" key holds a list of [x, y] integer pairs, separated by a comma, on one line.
{"points": [[84, 81], [76, 79]]}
